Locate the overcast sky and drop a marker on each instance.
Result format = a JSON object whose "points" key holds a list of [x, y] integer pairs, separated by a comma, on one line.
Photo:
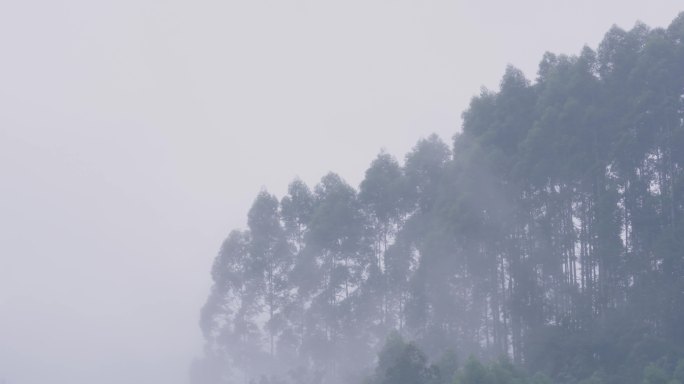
{"points": [[134, 135]]}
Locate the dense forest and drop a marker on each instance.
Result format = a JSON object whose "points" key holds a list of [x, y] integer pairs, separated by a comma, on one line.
{"points": [[545, 244]]}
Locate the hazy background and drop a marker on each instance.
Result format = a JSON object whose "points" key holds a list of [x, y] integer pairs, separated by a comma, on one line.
{"points": [[135, 134]]}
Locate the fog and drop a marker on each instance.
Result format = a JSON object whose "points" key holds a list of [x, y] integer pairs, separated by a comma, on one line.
{"points": [[134, 135]]}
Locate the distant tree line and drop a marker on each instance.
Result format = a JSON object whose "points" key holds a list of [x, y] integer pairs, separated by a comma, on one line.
{"points": [[551, 232], [400, 362]]}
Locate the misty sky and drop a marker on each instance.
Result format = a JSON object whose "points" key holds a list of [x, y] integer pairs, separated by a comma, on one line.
{"points": [[135, 134]]}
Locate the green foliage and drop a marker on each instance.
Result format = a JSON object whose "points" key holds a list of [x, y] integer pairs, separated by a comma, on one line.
{"points": [[596, 378], [447, 366], [501, 371], [655, 375], [475, 373], [400, 362], [678, 374]]}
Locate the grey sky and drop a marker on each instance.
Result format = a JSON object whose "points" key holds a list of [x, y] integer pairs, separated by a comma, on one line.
{"points": [[135, 134]]}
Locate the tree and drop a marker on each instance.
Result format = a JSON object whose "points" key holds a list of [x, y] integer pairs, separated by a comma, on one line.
{"points": [[400, 362]]}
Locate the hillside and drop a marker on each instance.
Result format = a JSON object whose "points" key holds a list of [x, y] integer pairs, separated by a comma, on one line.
{"points": [[550, 231]]}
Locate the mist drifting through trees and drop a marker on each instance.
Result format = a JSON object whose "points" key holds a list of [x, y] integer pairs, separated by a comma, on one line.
{"points": [[548, 238]]}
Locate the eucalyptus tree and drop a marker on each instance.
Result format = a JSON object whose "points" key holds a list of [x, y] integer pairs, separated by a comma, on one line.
{"points": [[296, 211], [229, 317], [297, 208], [382, 196], [269, 262], [337, 251]]}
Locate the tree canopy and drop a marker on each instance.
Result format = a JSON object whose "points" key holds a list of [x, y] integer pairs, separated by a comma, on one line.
{"points": [[547, 237]]}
